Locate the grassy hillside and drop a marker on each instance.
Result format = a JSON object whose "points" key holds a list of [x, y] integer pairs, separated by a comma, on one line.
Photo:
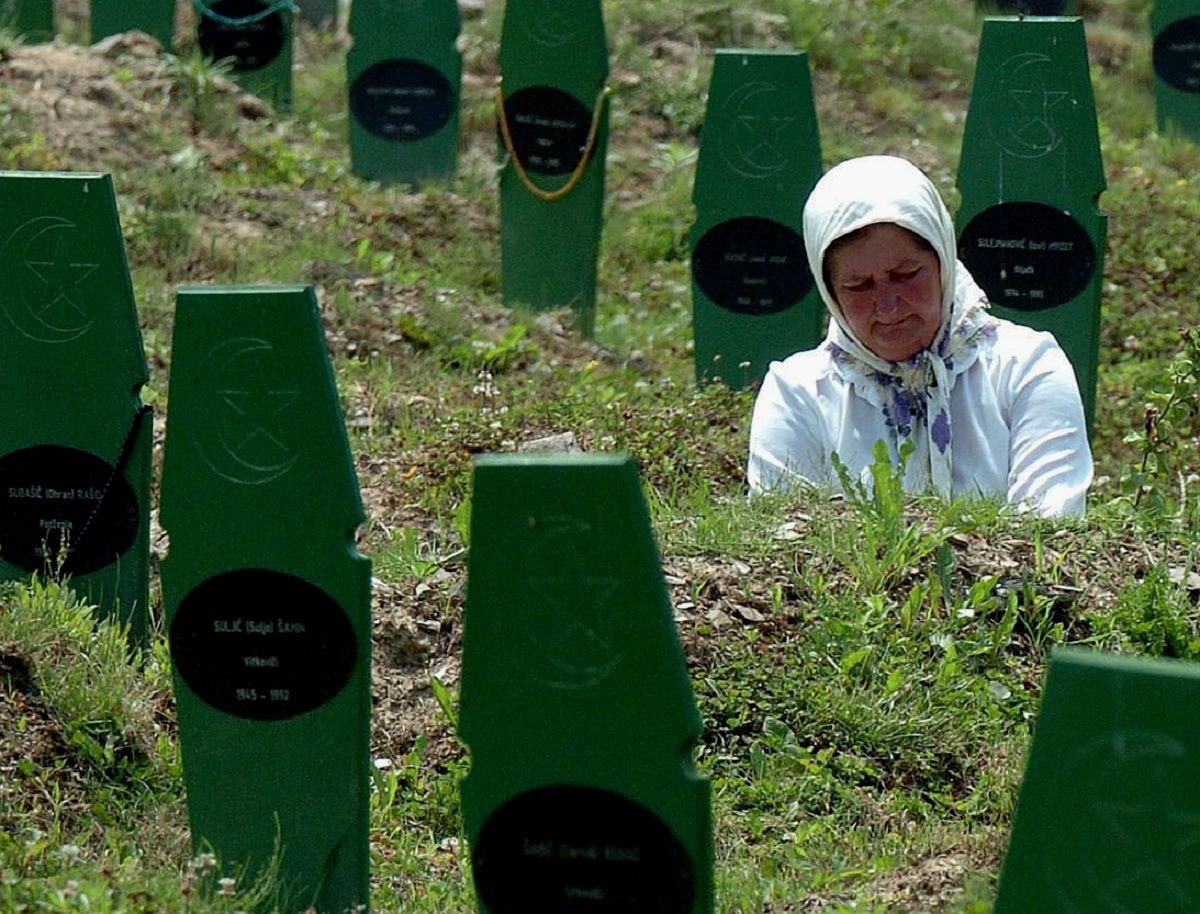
{"points": [[868, 669]]}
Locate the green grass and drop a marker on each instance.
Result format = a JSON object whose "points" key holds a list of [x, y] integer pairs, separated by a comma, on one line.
{"points": [[867, 668]]}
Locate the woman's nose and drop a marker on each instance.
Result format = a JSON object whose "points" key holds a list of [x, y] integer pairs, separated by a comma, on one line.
{"points": [[888, 299]]}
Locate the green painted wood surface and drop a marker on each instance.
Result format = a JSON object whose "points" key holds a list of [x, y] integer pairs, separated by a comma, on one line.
{"points": [[75, 451], [1031, 147], [267, 601], [404, 73], [1175, 60], [32, 19], [753, 298], [549, 249], [154, 17], [576, 702], [1109, 810]]}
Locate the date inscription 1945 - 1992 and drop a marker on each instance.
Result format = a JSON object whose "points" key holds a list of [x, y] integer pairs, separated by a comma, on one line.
{"points": [[262, 645]]}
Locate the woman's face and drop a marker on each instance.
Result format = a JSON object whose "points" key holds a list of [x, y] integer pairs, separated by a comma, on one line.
{"points": [[888, 283]]}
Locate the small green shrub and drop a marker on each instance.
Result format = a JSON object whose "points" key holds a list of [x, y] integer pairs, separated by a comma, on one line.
{"points": [[1153, 616]]}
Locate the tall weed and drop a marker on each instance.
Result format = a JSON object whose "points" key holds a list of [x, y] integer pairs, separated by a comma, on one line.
{"points": [[887, 542], [1164, 482]]}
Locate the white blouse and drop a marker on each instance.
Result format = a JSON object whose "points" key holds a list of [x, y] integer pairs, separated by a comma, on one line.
{"points": [[1019, 428]]}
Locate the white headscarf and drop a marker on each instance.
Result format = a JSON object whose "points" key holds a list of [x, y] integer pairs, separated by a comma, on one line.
{"points": [[914, 395]]}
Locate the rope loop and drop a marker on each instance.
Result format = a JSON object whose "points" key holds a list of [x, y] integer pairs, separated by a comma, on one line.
{"points": [[278, 6], [589, 147], [118, 470]]}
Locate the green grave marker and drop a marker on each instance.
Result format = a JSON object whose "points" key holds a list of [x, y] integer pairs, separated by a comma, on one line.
{"points": [[1109, 810], [552, 109], [154, 17], [34, 19], [267, 601], [75, 449], [576, 704], [404, 71], [256, 37], [318, 12], [1175, 28], [753, 296], [1029, 7], [1029, 226]]}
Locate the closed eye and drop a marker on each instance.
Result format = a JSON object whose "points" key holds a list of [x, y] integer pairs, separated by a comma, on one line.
{"points": [[904, 275], [867, 283]]}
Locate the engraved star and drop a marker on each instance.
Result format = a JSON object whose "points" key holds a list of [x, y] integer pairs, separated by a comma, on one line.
{"points": [[760, 139], [259, 413], [1154, 847], [60, 275], [570, 631], [1035, 104], [551, 25]]}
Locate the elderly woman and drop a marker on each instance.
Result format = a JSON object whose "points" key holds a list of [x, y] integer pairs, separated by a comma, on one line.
{"points": [[991, 408]]}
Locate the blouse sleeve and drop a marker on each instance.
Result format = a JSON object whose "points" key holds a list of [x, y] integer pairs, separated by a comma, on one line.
{"points": [[1050, 459], [787, 440]]}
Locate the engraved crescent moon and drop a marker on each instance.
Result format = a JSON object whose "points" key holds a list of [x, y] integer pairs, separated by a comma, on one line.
{"points": [[20, 304], [550, 26], [1029, 128], [750, 153], [223, 456]]}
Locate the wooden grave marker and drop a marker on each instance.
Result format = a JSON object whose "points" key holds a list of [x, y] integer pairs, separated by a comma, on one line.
{"points": [[1175, 28], [552, 109], [75, 457], [256, 36], [154, 17], [1108, 817], [32, 19], [753, 295], [577, 708], [267, 600], [1030, 229], [404, 73]]}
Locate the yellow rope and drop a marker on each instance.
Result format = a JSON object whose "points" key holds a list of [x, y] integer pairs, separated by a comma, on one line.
{"points": [[577, 174]]}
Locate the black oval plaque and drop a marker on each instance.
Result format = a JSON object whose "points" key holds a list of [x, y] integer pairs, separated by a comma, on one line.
{"points": [[1177, 54], [402, 99], [752, 265], [239, 30], [262, 645], [549, 129], [62, 511], [1028, 256], [567, 849]]}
